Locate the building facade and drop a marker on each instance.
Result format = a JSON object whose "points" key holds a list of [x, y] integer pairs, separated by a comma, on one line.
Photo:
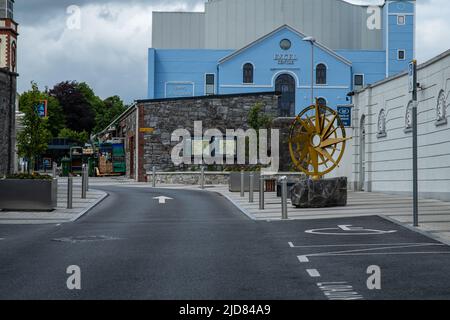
{"points": [[8, 83], [382, 136], [256, 46]]}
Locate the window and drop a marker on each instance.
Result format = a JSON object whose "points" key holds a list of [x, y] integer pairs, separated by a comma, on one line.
{"points": [[210, 84], [285, 44], [382, 124], [13, 56], [441, 109], [321, 74], [358, 80], [401, 55], [322, 102], [401, 20], [248, 73]]}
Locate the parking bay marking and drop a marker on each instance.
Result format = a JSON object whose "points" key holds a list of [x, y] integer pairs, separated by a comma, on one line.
{"points": [[363, 252], [313, 273]]}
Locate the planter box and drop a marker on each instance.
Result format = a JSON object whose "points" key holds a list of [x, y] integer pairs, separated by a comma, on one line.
{"points": [[40, 195], [235, 181]]}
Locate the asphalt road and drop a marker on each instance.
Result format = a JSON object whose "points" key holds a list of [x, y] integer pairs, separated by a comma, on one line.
{"points": [[199, 246]]}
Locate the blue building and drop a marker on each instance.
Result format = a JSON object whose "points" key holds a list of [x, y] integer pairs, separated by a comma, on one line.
{"points": [[356, 47]]}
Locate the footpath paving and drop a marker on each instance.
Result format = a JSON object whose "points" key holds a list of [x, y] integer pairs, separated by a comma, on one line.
{"points": [[61, 214]]}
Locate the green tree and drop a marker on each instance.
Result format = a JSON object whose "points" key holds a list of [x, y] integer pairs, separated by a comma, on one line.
{"points": [[258, 119], [55, 115], [112, 108], [79, 137], [33, 139]]}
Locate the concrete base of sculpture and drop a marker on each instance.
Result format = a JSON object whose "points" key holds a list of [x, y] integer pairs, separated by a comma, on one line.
{"points": [[320, 193]]}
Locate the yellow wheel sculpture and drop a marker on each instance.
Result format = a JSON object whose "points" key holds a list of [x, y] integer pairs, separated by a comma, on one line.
{"points": [[317, 141]]}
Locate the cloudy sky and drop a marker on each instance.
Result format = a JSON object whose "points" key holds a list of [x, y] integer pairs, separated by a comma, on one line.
{"points": [[109, 51]]}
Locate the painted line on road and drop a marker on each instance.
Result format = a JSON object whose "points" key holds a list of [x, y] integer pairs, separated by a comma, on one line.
{"points": [[303, 259], [366, 245], [362, 252], [313, 273]]}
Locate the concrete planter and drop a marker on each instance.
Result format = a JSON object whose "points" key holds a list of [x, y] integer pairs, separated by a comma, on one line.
{"points": [[40, 195], [235, 181]]}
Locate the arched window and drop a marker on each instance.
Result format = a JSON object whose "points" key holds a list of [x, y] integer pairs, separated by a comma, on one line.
{"points": [[248, 73], [321, 74], [382, 124]]}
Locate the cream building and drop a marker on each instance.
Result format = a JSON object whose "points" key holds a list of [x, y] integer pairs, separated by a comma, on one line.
{"points": [[381, 149]]}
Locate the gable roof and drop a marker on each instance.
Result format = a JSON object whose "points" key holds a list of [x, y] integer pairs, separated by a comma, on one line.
{"points": [[283, 27]]}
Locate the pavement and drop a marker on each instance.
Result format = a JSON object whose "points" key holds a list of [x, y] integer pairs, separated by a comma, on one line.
{"points": [[198, 245], [61, 214]]}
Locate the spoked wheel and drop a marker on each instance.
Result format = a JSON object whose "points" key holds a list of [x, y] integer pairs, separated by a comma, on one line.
{"points": [[317, 140]]}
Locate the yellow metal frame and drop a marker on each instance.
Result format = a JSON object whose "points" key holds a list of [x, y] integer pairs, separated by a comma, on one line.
{"points": [[314, 141]]}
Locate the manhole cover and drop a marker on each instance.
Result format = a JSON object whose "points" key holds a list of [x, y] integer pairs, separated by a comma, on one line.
{"points": [[85, 239]]}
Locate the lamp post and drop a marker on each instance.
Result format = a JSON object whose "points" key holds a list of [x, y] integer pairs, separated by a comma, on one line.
{"points": [[312, 41]]}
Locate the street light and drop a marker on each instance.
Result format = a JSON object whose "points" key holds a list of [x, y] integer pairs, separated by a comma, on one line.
{"points": [[311, 40]]}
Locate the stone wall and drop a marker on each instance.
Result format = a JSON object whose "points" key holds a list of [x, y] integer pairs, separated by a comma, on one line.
{"points": [[190, 178], [7, 121], [167, 115]]}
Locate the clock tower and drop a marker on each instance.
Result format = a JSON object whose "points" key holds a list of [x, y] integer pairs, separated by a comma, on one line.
{"points": [[8, 36]]}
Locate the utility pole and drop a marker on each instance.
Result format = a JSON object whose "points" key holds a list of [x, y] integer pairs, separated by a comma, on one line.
{"points": [[312, 41], [413, 90]]}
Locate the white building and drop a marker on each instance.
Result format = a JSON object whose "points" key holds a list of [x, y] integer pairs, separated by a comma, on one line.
{"points": [[382, 136]]}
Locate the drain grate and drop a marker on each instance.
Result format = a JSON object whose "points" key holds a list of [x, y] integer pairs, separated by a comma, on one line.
{"points": [[85, 239]]}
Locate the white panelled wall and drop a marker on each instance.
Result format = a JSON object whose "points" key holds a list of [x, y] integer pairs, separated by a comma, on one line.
{"points": [[382, 156]]}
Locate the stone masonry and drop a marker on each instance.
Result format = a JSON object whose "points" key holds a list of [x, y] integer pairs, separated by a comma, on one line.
{"points": [[7, 121]]}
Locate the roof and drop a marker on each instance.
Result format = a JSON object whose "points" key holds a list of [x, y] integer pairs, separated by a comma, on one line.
{"points": [[283, 27]]}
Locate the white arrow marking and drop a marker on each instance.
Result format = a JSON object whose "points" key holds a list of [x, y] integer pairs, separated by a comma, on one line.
{"points": [[162, 199]]}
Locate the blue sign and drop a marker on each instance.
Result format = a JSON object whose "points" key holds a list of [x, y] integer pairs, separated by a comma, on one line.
{"points": [[41, 109], [345, 113], [179, 89]]}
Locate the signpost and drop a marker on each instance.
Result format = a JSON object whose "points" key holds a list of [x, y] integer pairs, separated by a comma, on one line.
{"points": [[412, 71], [345, 113]]}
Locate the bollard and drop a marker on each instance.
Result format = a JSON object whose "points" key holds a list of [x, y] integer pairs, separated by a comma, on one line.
{"points": [[54, 170], [261, 193], [83, 182], [69, 192], [242, 184], [284, 211], [202, 178], [251, 187], [154, 177], [87, 179]]}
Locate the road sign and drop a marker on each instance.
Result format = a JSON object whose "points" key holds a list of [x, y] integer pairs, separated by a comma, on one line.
{"points": [[41, 109], [345, 113], [147, 130], [411, 79]]}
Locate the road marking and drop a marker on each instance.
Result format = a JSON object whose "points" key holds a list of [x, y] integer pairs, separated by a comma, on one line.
{"points": [[363, 252], [348, 230], [364, 245], [303, 259], [339, 291], [2, 239], [162, 199], [313, 273]]}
